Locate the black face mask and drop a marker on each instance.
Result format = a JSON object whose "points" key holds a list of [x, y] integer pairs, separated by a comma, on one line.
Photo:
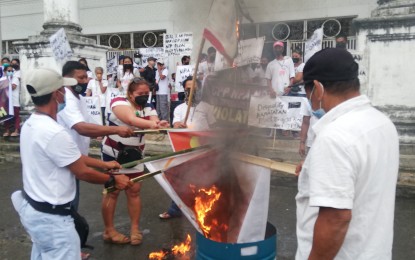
{"points": [[80, 88], [296, 60], [341, 45], [212, 58], [15, 66], [141, 100], [128, 67]]}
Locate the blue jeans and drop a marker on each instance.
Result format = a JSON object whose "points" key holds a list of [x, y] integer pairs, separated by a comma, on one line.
{"points": [[54, 237]]}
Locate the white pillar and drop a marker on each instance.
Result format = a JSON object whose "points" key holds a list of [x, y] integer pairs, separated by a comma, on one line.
{"points": [[61, 11]]}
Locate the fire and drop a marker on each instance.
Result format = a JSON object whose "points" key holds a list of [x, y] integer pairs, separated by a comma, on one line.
{"points": [[180, 251], [205, 201]]}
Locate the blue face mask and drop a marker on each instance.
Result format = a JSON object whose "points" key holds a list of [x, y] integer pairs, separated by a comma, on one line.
{"points": [[319, 113], [61, 106], [9, 73]]}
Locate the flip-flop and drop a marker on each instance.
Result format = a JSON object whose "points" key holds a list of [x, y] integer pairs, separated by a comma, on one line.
{"points": [[14, 134], [116, 238], [136, 238], [85, 256], [166, 215]]}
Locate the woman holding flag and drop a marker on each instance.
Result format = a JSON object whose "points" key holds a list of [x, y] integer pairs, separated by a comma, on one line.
{"points": [[130, 110]]}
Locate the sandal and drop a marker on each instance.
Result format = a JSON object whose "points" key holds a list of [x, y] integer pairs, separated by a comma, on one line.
{"points": [[166, 215], [6, 134], [14, 134], [115, 238], [136, 238], [85, 256]]}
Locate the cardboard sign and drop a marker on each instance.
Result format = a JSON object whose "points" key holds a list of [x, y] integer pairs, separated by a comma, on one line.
{"points": [[6, 105], [93, 108], [178, 44], [156, 52], [314, 44], [280, 113], [60, 46], [182, 72], [249, 51]]}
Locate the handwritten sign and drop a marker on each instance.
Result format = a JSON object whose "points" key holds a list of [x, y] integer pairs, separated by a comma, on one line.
{"points": [[182, 72], [314, 44], [156, 52], [178, 44], [280, 113], [93, 109], [60, 46], [359, 59], [249, 51], [112, 65]]}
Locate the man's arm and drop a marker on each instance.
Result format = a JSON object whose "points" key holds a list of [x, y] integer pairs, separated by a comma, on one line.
{"points": [[329, 232], [93, 130], [106, 166]]}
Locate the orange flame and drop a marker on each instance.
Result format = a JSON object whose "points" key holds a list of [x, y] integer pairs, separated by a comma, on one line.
{"points": [[177, 250], [205, 201]]}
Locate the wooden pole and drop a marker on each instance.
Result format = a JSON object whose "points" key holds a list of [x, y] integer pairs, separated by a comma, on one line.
{"points": [[192, 91], [264, 162]]}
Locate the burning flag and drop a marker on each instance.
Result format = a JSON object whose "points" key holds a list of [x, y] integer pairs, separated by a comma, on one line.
{"points": [[180, 251], [222, 27], [223, 198], [6, 105]]}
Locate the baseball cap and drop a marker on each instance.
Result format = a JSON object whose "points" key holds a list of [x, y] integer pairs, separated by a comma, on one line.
{"points": [[45, 81], [332, 64], [160, 61], [151, 58], [278, 43]]}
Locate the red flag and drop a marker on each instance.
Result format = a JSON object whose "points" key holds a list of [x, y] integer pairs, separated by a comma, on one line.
{"points": [[221, 29]]}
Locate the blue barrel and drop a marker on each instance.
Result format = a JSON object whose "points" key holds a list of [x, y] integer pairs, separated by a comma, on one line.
{"points": [[266, 249]]}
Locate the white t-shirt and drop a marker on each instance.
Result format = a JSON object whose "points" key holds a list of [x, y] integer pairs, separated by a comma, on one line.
{"points": [[90, 74], [164, 83], [95, 88], [259, 73], [280, 72], [307, 111], [179, 114], [353, 164], [72, 114], [300, 69], [16, 92], [125, 80], [46, 149]]}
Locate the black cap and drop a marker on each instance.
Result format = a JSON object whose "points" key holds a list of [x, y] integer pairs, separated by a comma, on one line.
{"points": [[151, 58], [332, 64]]}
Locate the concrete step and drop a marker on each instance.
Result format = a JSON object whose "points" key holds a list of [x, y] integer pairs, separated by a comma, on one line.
{"points": [[407, 162]]}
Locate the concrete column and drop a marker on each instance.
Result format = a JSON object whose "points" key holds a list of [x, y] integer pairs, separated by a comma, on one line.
{"points": [[61, 11]]}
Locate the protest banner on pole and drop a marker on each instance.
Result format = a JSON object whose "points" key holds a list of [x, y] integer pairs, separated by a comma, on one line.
{"points": [[178, 44], [93, 109], [182, 73], [249, 51], [156, 52], [314, 44], [280, 113], [60, 46]]}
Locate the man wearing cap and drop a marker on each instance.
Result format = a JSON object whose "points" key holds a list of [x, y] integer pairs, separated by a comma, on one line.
{"points": [[73, 115], [346, 187], [280, 72], [149, 72], [162, 94], [51, 160]]}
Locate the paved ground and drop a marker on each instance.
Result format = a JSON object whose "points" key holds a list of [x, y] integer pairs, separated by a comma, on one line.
{"points": [[15, 244]]}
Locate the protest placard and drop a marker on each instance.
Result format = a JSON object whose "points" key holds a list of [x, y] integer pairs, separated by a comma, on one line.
{"points": [[60, 46], [178, 44], [249, 51], [6, 105], [314, 44], [156, 52], [112, 65], [182, 72], [93, 109], [280, 113]]}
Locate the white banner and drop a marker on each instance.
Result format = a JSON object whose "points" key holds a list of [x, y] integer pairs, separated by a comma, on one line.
{"points": [[112, 65], [93, 109], [182, 72], [280, 113], [156, 52], [178, 44], [249, 51], [60, 46], [314, 44]]}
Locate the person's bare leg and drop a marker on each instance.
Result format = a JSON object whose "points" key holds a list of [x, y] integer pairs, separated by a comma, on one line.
{"points": [[134, 210], [109, 203]]}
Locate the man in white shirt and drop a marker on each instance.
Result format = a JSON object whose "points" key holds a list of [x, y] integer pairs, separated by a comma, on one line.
{"points": [[51, 160], [163, 92], [280, 72], [346, 188], [73, 115]]}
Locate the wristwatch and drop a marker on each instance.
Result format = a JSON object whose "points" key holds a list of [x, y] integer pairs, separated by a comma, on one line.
{"points": [[110, 182]]}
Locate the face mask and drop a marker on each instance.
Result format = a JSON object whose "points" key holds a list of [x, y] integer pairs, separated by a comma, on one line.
{"points": [[296, 60], [61, 106], [196, 97], [319, 113], [137, 60], [128, 67], [80, 88], [278, 53], [141, 100], [9, 73], [15, 66], [341, 45]]}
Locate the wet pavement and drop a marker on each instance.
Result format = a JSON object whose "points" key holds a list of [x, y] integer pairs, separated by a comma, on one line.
{"points": [[15, 244]]}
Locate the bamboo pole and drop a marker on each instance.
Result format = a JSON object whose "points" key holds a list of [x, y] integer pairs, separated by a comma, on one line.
{"points": [[155, 131], [267, 163], [134, 180], [192, 91]]}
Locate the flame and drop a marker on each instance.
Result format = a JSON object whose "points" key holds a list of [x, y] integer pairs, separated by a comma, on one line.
{"points": [[205, 200], [177, 250]]}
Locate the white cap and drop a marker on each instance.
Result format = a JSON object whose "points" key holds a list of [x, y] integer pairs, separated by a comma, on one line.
{"points": [[160, 61], [46, 81]]}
